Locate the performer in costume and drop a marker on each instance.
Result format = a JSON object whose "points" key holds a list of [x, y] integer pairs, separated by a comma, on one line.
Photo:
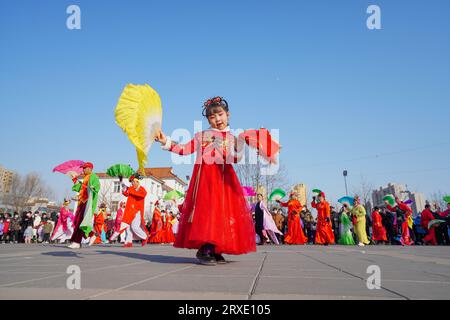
{"points": [[156, 228], [64, 227], [99, 226], [133, 223], [324, 231], [87, 204], [359, 212], [378, 230], [345, 226], [425, 217], [294, 234], [118, 220], [403, 214], [167, 234], [264, 221], [214, 218]]}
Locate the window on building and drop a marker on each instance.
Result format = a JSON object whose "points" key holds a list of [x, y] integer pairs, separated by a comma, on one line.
{"points": [[116, 187]]}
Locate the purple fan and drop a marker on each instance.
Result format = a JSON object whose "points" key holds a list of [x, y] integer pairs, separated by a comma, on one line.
{"points": [[249, 191], [408, 202]]}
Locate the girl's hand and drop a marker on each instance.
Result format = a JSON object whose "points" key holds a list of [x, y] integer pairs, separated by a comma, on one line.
{"points": [[160, 137]]}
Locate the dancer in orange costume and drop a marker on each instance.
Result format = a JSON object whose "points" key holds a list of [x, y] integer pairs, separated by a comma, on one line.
{"points": [[294, 234], [324, 231], [99, 225], [133, 223]]}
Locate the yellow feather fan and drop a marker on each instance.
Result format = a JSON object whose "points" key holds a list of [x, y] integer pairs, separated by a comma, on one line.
{"points": [[139, 114]]}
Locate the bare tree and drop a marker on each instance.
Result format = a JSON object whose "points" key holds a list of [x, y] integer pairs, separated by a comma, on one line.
{"points": [[250, 175], [105, 195], [437, 199], [364, 191], [24, 190]]}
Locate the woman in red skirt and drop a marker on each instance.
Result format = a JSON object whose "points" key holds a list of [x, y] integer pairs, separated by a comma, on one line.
{"points": [[214, 216]]}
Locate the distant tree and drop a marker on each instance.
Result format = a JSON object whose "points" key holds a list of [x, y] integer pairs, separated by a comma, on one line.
{"points": [[24, 189]]}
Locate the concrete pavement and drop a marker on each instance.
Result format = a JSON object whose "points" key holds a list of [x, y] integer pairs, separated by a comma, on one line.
{"points": [[274, 272]]}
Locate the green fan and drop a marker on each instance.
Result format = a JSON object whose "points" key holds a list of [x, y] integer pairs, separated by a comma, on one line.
{"points": [[317, 191], [173, 195], [447, 199], [390, 199], [435, 223], [120, 171], [277, 194]]}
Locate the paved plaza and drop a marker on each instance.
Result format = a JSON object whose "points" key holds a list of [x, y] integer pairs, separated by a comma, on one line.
{"points": [[274, 272]]}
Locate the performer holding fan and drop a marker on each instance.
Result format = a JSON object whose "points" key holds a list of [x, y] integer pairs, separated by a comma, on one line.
{"points": [[214, 217]]}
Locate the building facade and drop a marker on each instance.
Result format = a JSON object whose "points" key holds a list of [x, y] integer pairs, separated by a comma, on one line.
{"points": [[6, 177], [401, 191], [157, 182], [300, 190]]}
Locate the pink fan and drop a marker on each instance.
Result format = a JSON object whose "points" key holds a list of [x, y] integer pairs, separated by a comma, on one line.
{"points": [[70, 168], [249, 191]]}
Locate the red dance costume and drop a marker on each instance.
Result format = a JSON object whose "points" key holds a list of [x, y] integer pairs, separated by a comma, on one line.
{"points": [[156, 228], [294, 234], [406, 237], [215, 210], [99, 226], [378, 230], [324, 230], [425, 217], [167, 234]]}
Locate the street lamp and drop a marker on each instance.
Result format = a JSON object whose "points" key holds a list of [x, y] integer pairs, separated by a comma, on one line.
{"points": [[345, 180]]}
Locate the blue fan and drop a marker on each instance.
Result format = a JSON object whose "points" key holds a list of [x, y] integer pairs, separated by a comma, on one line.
{"points": [[349, 200]]}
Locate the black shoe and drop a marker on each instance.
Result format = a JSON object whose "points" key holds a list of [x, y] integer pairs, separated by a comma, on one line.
{"points": [[220, 259], [206, 258]]}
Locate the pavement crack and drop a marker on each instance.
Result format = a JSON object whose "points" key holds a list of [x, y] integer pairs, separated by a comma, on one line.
{"points": [[256, 278], [352, 275]]}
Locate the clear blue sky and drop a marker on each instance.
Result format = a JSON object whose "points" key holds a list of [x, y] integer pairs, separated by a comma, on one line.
{"points": [[339, 93]]}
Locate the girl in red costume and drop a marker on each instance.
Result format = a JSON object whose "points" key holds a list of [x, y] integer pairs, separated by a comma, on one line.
{"points": [[294, 234], [214, 217], [168, 236], [324, 231], [156, 228], [378, 230], [133, 223]]}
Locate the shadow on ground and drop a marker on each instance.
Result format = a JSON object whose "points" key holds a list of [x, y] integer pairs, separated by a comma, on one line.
{"points": [[152, 257]]}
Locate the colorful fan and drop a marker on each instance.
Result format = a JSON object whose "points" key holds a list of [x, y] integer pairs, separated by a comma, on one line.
{"points": [[139, 114], [70, 168], [277, 194], [390, 199], [120, 171], [447, 199], [173, 195], [249, 191], [435, 223], [262, 141], [347, 199]]}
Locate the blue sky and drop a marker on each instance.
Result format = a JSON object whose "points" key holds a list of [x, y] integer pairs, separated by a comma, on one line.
{"points": [[374, 102]]}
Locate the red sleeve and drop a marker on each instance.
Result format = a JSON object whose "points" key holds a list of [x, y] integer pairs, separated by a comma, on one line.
{"points": [[184, 149], [125, 192], [140, 194], [405, 208], [313, 204], [284, 204]]}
